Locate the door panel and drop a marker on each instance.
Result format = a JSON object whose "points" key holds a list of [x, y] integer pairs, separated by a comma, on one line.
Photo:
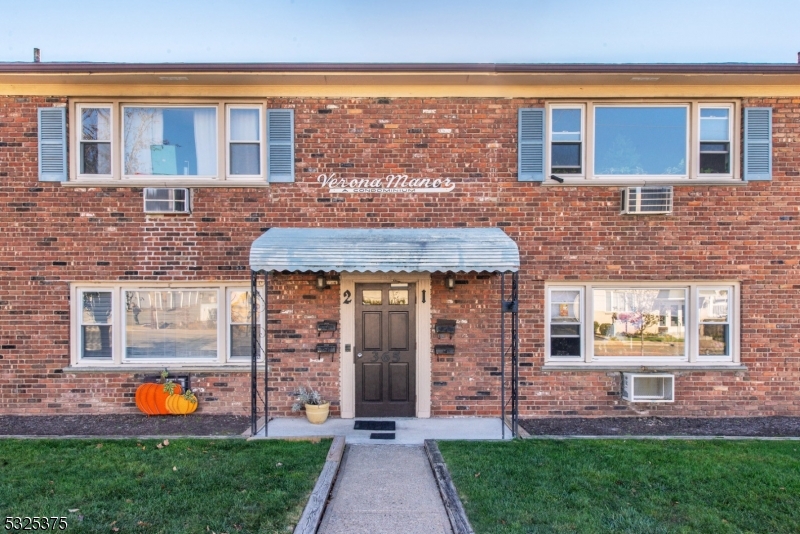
{"points": [[398, 382], [398, 331], [371, 382], [386, 343], [371, 338]]}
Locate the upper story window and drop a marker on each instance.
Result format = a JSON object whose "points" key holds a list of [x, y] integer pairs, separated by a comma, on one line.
{"points": [[192, 143], [660, 141], [636, 142]]}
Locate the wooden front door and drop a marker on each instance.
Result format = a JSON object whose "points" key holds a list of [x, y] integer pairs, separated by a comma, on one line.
{"points": [[386, 350]]}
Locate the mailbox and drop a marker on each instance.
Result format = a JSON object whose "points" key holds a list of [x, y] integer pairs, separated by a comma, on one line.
{"points": [[326, 326], [326, 348], [444, 349], [445, 326]]}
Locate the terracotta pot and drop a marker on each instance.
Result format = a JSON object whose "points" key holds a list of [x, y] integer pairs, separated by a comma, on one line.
{"points": [[317, 414]]}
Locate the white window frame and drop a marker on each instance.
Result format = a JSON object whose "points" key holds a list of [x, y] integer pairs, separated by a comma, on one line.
{"points": [[692, 175], [731, 130], [550, 142], [78, 314], [582, 323], [261, 142], [79, 141], [220, 178], [692, 358], [118, 330], [260, 314]]}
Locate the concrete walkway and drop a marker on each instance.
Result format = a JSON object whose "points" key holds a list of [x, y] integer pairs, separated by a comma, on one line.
{"points": [[385, 489], [409, 431]]}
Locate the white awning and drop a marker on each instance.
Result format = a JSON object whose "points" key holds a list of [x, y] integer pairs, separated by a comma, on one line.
{"points": [[385, 250]]}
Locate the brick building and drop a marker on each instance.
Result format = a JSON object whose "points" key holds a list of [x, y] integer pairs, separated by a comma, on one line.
{"points": [[653, 210]]}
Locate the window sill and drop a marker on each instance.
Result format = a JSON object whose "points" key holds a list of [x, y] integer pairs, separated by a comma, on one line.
{"points": [[645, 368], [637, 182], [166, 183], [174, 369]]}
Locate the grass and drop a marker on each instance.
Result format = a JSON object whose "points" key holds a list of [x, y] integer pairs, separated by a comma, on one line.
{"points": [[628, 486], [190, 485]]}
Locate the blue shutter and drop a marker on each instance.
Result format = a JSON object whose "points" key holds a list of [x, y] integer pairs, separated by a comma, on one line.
{"points": [[530, 165], [280, 145], [758, 144], [53, 144]]}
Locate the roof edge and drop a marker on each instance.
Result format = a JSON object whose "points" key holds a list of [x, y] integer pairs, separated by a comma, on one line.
{"points": [[421, 68]]}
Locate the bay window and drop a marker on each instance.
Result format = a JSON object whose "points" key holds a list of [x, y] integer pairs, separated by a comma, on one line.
{"points": [[618, 324], [123, 324]]}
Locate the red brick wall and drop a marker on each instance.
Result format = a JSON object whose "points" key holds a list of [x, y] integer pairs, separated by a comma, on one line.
{"points": [[54, 235]]}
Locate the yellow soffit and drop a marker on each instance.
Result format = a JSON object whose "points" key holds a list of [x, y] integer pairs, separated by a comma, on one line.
{"points": [[401, 84]]}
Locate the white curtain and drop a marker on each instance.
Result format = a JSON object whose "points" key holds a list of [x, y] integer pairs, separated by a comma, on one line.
{"points": [[143, 127], [244, 124], [205, 140]]}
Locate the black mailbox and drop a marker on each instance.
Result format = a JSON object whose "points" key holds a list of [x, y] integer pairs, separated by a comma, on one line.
{"points": [[326, 326], [445, 326], [326, 348], [444, 349]]}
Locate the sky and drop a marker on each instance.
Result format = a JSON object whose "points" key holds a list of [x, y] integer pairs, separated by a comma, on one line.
{"points": [[426, 31]]}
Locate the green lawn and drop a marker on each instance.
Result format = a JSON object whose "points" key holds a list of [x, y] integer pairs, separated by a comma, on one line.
{"points": [[628, 486], [190, 485]]}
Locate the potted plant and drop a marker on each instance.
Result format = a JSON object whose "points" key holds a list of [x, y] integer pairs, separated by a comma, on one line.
{"points": [[316, 407]]}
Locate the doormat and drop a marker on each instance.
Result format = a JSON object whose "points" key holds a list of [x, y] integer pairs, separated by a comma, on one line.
{"points": [[382, 435], [374, 425]]}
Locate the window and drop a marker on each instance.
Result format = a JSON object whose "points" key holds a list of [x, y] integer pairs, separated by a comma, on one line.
{"points": [[640, 140], [638, 325], [244, 141], [169, 141], [95, 140], [162, 325], [566, 140], [715, 140], [632, 142], [187, 143]]}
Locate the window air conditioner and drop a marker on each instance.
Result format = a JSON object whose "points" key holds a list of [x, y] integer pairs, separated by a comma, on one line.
{"points": [[647, 200], [648, 387], [165, 200]]}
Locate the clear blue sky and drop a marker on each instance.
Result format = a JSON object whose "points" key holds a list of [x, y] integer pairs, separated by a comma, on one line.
{"points": [[533, 31]]}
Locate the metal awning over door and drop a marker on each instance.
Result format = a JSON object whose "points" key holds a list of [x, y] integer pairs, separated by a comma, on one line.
{"points": [[385, 250]]}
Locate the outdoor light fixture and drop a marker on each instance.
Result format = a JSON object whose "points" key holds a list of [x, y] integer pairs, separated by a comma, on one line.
{"points": [[556, 178], [321, 282], [450, 281]]}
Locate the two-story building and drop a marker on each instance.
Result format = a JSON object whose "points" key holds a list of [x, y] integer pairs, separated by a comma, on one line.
{"points": [[644, 217]]}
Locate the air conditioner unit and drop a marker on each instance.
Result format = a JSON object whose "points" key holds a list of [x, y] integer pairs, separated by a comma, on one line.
{"points": [[166, 200], [648, 387], [647, 200]]}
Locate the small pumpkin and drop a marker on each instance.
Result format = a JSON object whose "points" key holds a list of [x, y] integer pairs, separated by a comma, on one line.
{"points": [[152, 398], [182, 404]]}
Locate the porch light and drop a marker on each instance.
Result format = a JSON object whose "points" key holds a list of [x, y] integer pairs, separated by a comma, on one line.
{"points": [[321, 282], [450, 281]]}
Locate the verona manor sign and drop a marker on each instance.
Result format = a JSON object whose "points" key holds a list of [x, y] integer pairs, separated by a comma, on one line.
{"points": [[391, 183]]}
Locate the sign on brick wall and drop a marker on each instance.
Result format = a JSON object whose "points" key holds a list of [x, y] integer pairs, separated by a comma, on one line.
{"points": [[391, 183]]}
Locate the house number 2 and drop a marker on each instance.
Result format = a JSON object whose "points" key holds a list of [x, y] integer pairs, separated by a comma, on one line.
{"points": [[347, 295]]}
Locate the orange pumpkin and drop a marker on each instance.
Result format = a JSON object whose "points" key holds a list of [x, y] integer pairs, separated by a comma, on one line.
{"points": [[181, 404], [152, 398]]}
